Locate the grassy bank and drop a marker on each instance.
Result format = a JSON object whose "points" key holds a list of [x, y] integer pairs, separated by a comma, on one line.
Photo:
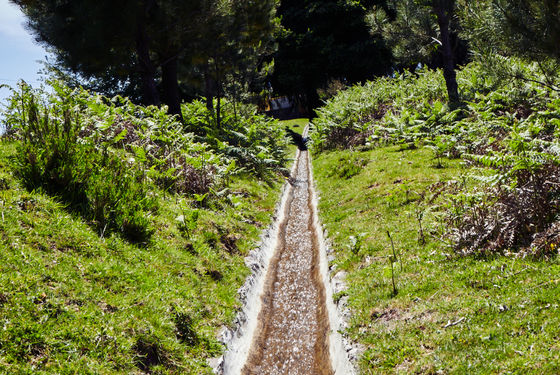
{"points": [[451, 314], [79, 293], [468, 196], [74, 302]]}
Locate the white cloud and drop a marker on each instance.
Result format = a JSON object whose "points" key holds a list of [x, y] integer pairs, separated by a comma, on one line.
{"points": [[11, 20], [12, 28]]}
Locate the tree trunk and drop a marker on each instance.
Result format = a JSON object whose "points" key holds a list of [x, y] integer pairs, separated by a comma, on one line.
{"points": [[443, 13], [170, 86], [219, 89], [147, 69], [208, 89], [234, 99], [312, 102], [219, 111]]}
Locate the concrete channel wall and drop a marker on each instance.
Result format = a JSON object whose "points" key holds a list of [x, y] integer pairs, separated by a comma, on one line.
{"points": [[245, 334]]}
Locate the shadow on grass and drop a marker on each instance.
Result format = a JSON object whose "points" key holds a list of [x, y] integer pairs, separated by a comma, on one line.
{"points": [[297, 139]]}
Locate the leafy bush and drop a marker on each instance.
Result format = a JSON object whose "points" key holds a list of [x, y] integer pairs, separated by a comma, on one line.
{"points": [[509, 128], [255, 142], [346, 118], [92, 178], [105, 156], [158, 143], [517, 206], [409, 109]]}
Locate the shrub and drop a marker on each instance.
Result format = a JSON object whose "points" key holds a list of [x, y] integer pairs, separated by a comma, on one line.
{"points": [[92, 178], [255, 142], [508, 128], [105, 156], [516, 207]]}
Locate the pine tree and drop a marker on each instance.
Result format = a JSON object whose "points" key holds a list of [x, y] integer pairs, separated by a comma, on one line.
{"points": [[325, 40], [422, 31], [530, 29], [527, 28]]}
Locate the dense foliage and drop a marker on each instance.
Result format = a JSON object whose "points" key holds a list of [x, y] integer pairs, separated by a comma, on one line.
{"points": [[524, 28], [252, 140], [325, 41], [108, 157], [509, 128]]}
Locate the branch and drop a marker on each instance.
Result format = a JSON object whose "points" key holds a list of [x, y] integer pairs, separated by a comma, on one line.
{"points": [[437, 41], [451, 324], [549, 85]]}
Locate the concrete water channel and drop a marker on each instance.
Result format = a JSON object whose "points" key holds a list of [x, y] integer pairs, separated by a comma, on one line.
{"points": [[289, 324], [293, 324]]}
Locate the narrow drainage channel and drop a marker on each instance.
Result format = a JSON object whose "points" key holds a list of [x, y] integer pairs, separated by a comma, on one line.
{"points": [[289, 323], [292, 333], [293, 325]]}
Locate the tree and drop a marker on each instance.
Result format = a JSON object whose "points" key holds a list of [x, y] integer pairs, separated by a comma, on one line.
{"points": [[529, 28], [443, 10], [243, 35], [325, 40], [92, 40], [498, 30], [422, 31], [146, 43]]}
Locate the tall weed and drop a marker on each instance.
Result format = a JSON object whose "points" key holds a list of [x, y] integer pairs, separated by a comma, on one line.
{"points": [[91, 178]]}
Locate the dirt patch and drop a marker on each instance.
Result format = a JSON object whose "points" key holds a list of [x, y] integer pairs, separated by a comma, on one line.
{"points": [[390, 319], [184, 328], [229, 242], [385, 316], [149, 353], [107, 308], [215, 275], [4, 297]]}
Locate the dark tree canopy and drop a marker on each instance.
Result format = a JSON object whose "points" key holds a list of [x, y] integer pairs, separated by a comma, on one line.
{"points": [[422, 31], [527, 28], [149, 46], [325, 40]]}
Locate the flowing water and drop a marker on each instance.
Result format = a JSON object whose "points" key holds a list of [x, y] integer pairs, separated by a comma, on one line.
{"points": [[289, 323], [292, 333]]}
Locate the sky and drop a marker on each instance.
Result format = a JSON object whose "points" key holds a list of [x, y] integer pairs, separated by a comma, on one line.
{"points": [[19, 53]]}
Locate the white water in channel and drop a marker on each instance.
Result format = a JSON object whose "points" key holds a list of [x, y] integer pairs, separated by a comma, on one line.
{"points": [[240, 338]]}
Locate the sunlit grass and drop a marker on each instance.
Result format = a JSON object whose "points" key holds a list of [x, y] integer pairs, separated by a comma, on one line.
{"points": [[72, 301], [451, 314]]}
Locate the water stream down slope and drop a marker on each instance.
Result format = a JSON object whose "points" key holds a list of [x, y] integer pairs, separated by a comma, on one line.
{"points": [[292, 328]]}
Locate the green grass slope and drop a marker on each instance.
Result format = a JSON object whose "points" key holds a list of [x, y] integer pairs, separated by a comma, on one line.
{"points": [[123, 232], [451, 314], [467, 198], [74, 302]]}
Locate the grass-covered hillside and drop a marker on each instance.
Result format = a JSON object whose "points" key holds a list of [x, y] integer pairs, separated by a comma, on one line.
{"points": [[123, 232], [445, 221]]}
